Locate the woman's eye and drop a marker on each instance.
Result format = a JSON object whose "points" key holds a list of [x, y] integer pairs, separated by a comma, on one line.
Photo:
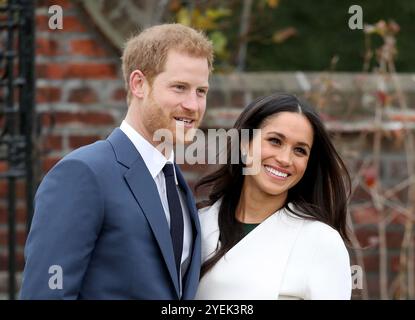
{"points": [[275, 141], [301, 150]]}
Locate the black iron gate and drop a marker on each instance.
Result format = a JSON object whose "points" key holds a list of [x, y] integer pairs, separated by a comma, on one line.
{"points": [[17, 113]]}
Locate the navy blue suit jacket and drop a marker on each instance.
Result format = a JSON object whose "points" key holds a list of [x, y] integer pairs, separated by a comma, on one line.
{"points": [[99, 217]]}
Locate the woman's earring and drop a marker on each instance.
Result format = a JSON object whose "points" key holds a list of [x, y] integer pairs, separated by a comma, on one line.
{"points": [[243, 156]]}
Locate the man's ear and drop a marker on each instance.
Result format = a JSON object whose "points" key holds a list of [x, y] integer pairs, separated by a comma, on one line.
{"points": [[137, 83]]}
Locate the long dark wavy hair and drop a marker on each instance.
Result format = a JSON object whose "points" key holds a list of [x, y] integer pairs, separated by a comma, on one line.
{"points": [[321, 194]]}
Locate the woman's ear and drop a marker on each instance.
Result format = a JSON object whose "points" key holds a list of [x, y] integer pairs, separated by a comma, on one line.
{"points": [[137, 84], [243, 156], [244, 152], [251, 157]]}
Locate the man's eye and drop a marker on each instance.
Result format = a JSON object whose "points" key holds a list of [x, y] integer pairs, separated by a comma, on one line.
{"points": [[201, 92]]}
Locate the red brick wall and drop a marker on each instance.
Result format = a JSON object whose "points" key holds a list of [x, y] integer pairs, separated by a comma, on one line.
{"points": [[80, 98], [79, 85]]}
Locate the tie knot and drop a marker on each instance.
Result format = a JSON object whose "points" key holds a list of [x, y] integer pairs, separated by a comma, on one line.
{"points": [[168, 170]]}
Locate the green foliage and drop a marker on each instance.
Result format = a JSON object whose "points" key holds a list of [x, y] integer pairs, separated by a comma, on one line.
{"points": [[323, 32], [304, 35], [207, 20]]}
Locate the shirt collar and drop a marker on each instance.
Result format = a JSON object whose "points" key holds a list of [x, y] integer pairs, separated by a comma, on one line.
{"points": [[153, 158]]}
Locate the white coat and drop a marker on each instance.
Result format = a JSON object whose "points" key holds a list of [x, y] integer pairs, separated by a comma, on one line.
{"points": [[285, 257]]}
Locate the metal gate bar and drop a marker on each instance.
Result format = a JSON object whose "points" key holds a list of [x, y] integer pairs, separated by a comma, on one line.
{"points": [[17, 111]]}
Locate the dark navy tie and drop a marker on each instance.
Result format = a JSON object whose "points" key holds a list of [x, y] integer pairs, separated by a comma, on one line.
{"points": [[176, 214]]}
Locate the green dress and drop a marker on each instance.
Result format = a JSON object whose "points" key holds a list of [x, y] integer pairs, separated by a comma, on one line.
{"points": [[248, 227]]}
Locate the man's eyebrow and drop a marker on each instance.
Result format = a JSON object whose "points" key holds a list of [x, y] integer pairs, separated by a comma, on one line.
{"points": [[184, 83]]}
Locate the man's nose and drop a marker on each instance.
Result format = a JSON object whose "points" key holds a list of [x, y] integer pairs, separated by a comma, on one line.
{"points": [[191, 102]]}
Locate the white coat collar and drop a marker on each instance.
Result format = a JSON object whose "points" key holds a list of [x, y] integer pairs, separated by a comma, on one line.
{"points": [[259, 259]]}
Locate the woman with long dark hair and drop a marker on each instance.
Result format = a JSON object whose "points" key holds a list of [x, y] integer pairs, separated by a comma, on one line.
{"points": [[279, 233]]}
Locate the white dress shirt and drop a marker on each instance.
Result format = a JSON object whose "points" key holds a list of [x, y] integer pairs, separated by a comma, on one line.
{"points": [[155, 162]]}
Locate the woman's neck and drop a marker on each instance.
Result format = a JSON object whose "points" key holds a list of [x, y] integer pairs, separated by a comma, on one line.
{"points": [[255, 206]]}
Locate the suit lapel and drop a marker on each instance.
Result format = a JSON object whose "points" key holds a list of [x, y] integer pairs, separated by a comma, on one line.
{"points": [[146, 194]]}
